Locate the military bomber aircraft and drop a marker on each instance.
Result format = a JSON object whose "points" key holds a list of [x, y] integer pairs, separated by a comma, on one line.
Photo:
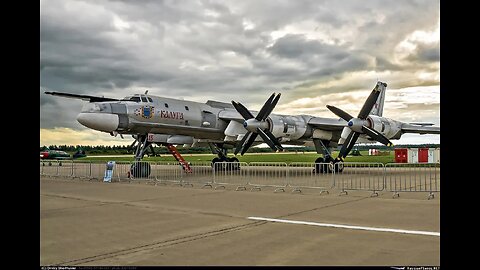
{"points": [[166, 121]]}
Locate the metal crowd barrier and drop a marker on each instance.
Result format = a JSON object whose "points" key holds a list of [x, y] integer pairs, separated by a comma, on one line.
{"points": [[56, 167], [202, 173], [418, 177], [82, 169], [122, 171], [268, 174], [230, 173], [360, 176], [310, 175], [374, 177]]}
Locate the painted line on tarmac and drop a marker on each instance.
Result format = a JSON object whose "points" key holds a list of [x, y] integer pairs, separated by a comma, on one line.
{"points": [[346, 226]]}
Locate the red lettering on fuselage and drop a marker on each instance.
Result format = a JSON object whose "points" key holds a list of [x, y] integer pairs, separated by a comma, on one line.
{"points": [[171, 115]]}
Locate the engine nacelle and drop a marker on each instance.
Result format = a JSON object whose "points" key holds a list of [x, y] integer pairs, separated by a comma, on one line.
{"points": [[287, 127], [388, 127]]}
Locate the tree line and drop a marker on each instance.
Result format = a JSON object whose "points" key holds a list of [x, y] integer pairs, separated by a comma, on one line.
{"points": [[125, 149]]}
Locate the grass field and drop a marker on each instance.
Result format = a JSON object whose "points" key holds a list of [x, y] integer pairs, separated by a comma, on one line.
{"points": [[256, 157]]}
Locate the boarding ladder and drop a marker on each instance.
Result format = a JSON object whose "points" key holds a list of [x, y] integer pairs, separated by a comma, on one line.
{"points": [[173, 150]]}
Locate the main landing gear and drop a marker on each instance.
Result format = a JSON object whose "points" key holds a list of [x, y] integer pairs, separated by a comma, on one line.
{"points": [[327, 163], [223, 161], [141, 168]]}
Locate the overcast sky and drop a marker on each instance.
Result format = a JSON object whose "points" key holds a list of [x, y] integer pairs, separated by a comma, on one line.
{"points": [[314, 52]]}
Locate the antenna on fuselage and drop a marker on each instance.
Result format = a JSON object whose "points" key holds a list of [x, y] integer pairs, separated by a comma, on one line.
{"points": [[146, 92]]}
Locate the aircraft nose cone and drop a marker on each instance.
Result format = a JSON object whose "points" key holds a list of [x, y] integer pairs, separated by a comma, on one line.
{"points": [[99, 121]]}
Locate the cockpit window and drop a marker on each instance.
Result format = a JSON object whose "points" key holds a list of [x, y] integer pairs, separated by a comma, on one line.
{"points": [[144, 99], [149, 99], [134, 99]]}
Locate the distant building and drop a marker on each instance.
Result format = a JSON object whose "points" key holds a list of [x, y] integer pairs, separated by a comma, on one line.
{"points": [[417, 155]]}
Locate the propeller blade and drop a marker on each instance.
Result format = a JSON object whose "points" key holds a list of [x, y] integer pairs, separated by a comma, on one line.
{"points": [[368, 105], [340, 113], [249, 143], [266, 139], [246, 114], [264, 109], [272, 106], [240, 144], [274, 140], [376, 136], [348, 144]]}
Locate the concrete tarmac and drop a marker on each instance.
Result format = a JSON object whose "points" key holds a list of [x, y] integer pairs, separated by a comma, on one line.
{"points": [[95, 223]]}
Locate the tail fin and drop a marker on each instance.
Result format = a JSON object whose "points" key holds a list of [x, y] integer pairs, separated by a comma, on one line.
{"points": [[378, 107]]}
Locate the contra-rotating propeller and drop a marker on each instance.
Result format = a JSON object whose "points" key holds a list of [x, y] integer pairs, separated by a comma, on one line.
{"points": [[360, 124], [257, 125]]}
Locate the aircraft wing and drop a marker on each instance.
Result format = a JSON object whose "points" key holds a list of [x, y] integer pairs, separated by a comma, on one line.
{"points": [[230, 115], [82, 97], [329, 124], [421, 129], [324, 123]]}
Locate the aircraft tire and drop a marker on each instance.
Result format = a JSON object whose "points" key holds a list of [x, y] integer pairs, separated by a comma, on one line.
{"points": [[236, 165], [140, 169], [320, 168], [215, 160]]}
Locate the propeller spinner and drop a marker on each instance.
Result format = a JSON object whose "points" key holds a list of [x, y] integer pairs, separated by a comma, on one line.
{"points": [[257, 125]]}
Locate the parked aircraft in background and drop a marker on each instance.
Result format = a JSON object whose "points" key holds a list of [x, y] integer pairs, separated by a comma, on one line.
{"points": [[166, 121], [79, 154], [54, 154]]}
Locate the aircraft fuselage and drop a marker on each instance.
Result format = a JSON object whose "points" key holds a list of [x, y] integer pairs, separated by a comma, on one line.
{"points": [[150, 114]]}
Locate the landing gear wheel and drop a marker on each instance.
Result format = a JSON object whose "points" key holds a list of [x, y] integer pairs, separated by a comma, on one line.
{"points": [[215, 160], [320, 168], [236, 165], [140, 169]]}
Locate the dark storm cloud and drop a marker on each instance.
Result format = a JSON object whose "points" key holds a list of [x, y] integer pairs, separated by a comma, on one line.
{"points": [[297, 46], [382, 64], [425, 53], [216, 49]]}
